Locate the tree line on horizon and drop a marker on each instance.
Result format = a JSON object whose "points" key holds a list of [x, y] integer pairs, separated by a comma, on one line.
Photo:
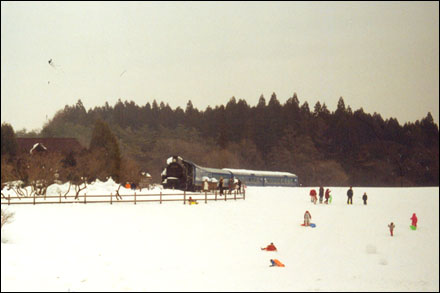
{"points": [[338, 148]]}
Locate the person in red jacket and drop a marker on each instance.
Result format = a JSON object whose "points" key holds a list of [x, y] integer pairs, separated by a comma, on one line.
{"points": [[307, 218], [313, 196], [391, 226], [270, 247], [327, 195], [414, 220]]}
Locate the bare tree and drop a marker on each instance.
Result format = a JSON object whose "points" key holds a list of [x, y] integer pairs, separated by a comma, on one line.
{"points": [[41, 171], [130, 173]]}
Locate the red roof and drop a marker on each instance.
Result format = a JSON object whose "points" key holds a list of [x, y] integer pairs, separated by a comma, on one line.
{"points": [[64, 145]]}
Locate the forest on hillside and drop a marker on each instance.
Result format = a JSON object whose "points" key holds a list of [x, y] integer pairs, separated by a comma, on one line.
{"points": [[334, 148]]}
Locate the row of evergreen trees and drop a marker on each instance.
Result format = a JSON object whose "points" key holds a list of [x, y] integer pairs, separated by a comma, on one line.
{"points": [[343, 147]]}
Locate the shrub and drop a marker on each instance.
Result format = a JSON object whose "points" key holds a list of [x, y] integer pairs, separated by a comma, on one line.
{"points": [[6, 217]]}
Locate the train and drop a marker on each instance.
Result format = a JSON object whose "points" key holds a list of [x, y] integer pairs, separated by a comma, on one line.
{"points": [[186, 175]]}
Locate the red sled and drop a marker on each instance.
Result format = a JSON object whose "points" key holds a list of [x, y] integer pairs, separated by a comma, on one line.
{"points": [[312, 225]]}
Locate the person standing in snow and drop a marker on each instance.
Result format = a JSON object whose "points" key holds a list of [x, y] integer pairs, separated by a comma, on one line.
{"points": [[313, 196], [414, 220], [220, 186], [205, 185], [391, 226], [231, 185], [307, 218], [364, 198], [350, 196], [239, 186], [321, 194], [327, 195]]}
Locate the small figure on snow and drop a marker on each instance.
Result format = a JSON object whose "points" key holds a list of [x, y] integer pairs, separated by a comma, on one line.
{"points": [[220, 186], [307, 218], [364, 198], [270, 247], [231, 185], [391, 226], [206, 186], [327, 195], [313, 196], [321, 194], [414, 220], [276, 263], [350, 196], [192, 201]]}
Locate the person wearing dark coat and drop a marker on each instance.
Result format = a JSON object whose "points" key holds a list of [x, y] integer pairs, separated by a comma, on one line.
{"points": [[350, 196], [220, 185], [239, 186], [364, 198], [321, 194]]}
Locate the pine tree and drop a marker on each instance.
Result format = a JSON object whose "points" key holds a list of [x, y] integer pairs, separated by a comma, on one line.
{"points": [[105, 142], [8, 140]]}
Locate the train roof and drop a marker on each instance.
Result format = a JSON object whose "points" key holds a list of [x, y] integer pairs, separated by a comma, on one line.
{"points": [[210, 170], [228, 171], [259, 173], [214, 170]]}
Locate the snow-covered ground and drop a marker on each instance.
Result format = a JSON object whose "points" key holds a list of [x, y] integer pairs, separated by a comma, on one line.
{"points": [[216, 246]]}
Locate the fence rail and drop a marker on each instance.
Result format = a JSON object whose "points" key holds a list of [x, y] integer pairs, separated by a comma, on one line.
{"points": [[127, 198]]}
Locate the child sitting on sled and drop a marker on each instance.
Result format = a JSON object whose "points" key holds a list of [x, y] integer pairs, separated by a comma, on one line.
{"points": [[276, 263], [270, 247], [192, 201]]}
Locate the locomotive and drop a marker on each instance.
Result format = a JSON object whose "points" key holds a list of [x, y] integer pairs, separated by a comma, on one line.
{"points": [[186, 175]]}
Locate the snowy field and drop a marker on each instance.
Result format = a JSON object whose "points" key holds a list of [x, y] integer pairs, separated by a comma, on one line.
{"points": [[216, 246]]}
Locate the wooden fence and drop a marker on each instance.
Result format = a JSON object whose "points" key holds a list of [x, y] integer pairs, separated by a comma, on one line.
{"points": [[130, 198]]}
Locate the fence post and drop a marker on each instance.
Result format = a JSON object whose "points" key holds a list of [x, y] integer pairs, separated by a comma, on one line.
{"points": [[85, 196], [60, 197], [235, 194], [111, 198], [184, 197], [9, 198], [206, 196], [135, 198], [226, 195], [34, 198], [216, 195], [244, 193], [161, 197]]}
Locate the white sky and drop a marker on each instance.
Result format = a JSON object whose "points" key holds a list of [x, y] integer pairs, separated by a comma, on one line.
{"points": [[381, 56]]}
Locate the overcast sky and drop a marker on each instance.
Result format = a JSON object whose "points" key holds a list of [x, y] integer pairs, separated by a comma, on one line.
{"points": [[381, 56]]}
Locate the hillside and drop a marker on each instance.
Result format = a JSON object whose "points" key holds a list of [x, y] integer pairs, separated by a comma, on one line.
{"points": [[338, 148]]}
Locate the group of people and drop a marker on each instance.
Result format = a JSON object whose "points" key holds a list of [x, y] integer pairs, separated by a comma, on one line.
{"points": [[221, 186], [307, 218], [328, 197], [413, 219], [350, 193], [273, 262], [350, 196]]}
